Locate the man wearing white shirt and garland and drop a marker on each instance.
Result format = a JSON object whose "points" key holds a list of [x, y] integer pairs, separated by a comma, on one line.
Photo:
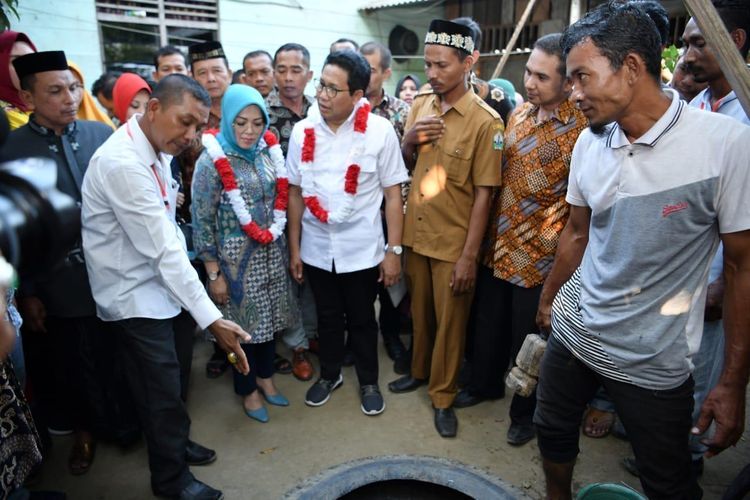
{"points": [[140, 274], [341, 163]]}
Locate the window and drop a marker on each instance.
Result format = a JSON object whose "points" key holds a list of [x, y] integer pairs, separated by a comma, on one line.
{"points": [[132, 30]]}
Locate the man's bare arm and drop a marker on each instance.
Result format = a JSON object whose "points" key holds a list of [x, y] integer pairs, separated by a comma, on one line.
{"points": [[294, 225], [725, 404], [465, 270], [570, 249]]}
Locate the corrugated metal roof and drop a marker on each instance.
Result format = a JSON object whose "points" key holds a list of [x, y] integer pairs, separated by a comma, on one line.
{"points": [[380, 4]]}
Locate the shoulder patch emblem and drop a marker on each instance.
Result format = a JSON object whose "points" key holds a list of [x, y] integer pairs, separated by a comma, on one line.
{"points": [[497, 139]]}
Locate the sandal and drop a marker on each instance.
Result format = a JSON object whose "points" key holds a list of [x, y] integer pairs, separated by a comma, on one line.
{"points": [[217, 365], [597, 423], [81, 456], [281, 365]]}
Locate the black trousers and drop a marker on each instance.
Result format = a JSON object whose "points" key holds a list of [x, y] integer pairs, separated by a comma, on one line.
{"points": [[503, 314], [345, 303], [60, 368], [184, 330], [657, 422], [389, 318], [260, 358], [150, 362]]}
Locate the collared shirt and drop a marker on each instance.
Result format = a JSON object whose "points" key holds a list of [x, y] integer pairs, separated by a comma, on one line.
{"points": [[529, 210], [728, 105], [395, 111], [447, 171], [657, 208], [64, 290], [283, 119], [135, 253], [358, 243]]}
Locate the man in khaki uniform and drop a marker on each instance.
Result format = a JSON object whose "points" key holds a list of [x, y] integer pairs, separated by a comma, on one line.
{"points": [[453, 143]]}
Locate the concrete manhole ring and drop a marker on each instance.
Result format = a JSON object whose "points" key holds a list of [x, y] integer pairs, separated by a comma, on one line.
{"points": [[348, 477]]}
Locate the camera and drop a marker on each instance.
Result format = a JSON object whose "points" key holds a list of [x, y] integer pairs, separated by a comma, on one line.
{"points": [[39, 225]]}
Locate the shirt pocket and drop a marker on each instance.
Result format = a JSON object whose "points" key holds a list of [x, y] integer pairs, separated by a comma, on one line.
{"points": [[457, 162], [368, 163]]}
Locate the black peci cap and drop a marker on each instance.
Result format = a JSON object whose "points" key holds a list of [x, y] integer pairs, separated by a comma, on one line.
{"points": [[38, 62], [205, 50], [450, 34]]}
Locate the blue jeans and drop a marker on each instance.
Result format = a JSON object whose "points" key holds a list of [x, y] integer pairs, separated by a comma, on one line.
{"points": [[708, 362]]}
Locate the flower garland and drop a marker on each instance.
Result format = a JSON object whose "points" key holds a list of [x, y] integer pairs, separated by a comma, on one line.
{"points": [[351, 178], [229, 181]]}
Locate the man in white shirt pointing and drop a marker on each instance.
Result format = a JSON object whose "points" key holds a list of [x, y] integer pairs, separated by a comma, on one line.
{"points": [[140, 274]]}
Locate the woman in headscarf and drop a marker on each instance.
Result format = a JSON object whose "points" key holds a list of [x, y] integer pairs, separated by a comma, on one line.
{"points": [[13, 45], [130, 96], [88, 110], [239, 201], [407, 88]]}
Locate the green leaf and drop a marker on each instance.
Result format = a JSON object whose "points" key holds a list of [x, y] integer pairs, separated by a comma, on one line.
{"points": [[670, 55], [8, 5]]}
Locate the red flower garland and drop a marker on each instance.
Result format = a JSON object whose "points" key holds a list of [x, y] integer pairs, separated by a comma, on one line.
{"points": [[351, 179], [313, 205], [282, 194], [360, 119], [229, 181], [308, 146]]}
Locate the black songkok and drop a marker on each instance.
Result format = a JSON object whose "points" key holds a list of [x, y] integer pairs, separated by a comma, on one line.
{"points": [[39, 62], [450, 34], [205, 50]]}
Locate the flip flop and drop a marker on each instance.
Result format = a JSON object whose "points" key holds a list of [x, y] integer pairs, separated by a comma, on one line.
{"points": [[281, 365], [598, 424], [216, 366]]}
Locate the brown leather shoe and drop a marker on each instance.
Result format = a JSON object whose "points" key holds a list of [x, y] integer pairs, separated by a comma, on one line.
{"points": [[301, 366], [82, 454]]}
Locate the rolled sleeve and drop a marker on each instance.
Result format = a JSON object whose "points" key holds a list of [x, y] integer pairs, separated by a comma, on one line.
{"points": [[206, 195], [293, 156], [391, 168]]}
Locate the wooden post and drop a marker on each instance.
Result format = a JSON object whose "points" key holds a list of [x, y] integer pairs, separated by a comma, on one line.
{"points": [[716, 35], [512, 42]]}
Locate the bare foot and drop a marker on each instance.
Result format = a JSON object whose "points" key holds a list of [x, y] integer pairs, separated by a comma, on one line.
{"points": [[267, 386], [597, 423], [253, 401]]}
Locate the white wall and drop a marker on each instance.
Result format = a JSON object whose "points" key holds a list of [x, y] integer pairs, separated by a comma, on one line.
{"points": [[246, 25], [68, 25]]}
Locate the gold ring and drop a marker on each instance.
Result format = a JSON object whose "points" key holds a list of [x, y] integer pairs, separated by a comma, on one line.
{"points": [[232, 357]]}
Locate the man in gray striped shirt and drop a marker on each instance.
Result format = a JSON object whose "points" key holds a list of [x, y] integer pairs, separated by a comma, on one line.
{"points": [[649, 205]]}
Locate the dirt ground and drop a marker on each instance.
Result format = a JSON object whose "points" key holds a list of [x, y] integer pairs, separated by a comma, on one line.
{"points": [[263, 461]]}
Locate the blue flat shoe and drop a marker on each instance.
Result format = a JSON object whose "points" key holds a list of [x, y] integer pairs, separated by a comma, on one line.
{"points": [[261, 414], [277, 399]]}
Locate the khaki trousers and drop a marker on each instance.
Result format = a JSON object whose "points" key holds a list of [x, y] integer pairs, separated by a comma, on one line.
{"points": [[440, 320]]}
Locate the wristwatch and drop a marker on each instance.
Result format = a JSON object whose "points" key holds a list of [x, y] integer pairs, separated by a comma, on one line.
{"points": [[395, 249], [213, 276]]}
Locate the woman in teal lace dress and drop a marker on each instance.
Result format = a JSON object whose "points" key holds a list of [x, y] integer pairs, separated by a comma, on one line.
{"points": [[248, 279]]}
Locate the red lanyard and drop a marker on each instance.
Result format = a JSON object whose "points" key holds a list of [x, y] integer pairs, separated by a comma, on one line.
{"points": [[162, 185]]}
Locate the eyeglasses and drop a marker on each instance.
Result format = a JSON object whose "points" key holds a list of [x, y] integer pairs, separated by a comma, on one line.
{"points": [[331, 92]]}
